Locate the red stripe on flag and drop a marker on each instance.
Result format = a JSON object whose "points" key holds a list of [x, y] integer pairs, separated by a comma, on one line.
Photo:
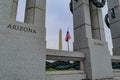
{"points": [[67, 36]]}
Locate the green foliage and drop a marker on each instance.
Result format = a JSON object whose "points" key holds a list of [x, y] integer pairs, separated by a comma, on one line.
{"points": [[51, 69]]}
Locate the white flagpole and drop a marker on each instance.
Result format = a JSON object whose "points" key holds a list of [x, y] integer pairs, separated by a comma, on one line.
{"points": [[68, 41], [68, 45]]}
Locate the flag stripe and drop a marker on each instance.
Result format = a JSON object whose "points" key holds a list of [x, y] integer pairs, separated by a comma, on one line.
{"points": [[67, 36]]}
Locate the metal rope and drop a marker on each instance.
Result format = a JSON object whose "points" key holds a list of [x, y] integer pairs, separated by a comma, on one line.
{"points": [[95, 2]]}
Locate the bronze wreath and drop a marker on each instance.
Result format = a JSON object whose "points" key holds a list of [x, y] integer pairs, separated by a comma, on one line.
{"points": [[95, 2], [98, 4], [106, 21]]}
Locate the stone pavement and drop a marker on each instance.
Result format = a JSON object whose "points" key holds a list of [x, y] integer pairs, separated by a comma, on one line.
{"points": [[117, 78]]}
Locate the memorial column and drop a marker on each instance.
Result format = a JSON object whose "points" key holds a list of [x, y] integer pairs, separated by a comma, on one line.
{"points": [[35, 12]]}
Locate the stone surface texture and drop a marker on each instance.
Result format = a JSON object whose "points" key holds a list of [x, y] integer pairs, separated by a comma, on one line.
{"points": [[96, 23], [70, 75], [21, 56], [8, 9], [14, 9], [35, 12], [22, 51]]}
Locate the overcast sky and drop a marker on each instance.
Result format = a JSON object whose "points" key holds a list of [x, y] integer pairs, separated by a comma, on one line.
{"points": [[59, 16]]}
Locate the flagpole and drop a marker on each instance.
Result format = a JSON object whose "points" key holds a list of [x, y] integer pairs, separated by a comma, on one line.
{"points": [[68, 40], [68, 45]]}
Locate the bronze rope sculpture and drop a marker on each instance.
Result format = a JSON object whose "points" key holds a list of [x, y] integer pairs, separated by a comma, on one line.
{"points": [[95, 2], [98, 4]]}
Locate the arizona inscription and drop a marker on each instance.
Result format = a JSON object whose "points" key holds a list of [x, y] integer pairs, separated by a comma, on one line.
{"points": [[21, 28]]}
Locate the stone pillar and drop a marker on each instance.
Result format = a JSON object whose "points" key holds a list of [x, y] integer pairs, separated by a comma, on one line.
{"points": [[8, 9], [22, 45], [89, 39], [114, 19], [35, 12], [97, 23], [14, 9]]}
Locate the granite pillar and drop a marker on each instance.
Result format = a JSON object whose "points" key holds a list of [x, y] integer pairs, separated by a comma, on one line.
{"points": [[8, 9], [22, 45], [97, 23], [114, 19], [89, 38], [35, 12], [14, 9]]}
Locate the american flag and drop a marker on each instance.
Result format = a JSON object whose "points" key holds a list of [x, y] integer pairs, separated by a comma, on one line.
{"points": [[67, 36]]}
